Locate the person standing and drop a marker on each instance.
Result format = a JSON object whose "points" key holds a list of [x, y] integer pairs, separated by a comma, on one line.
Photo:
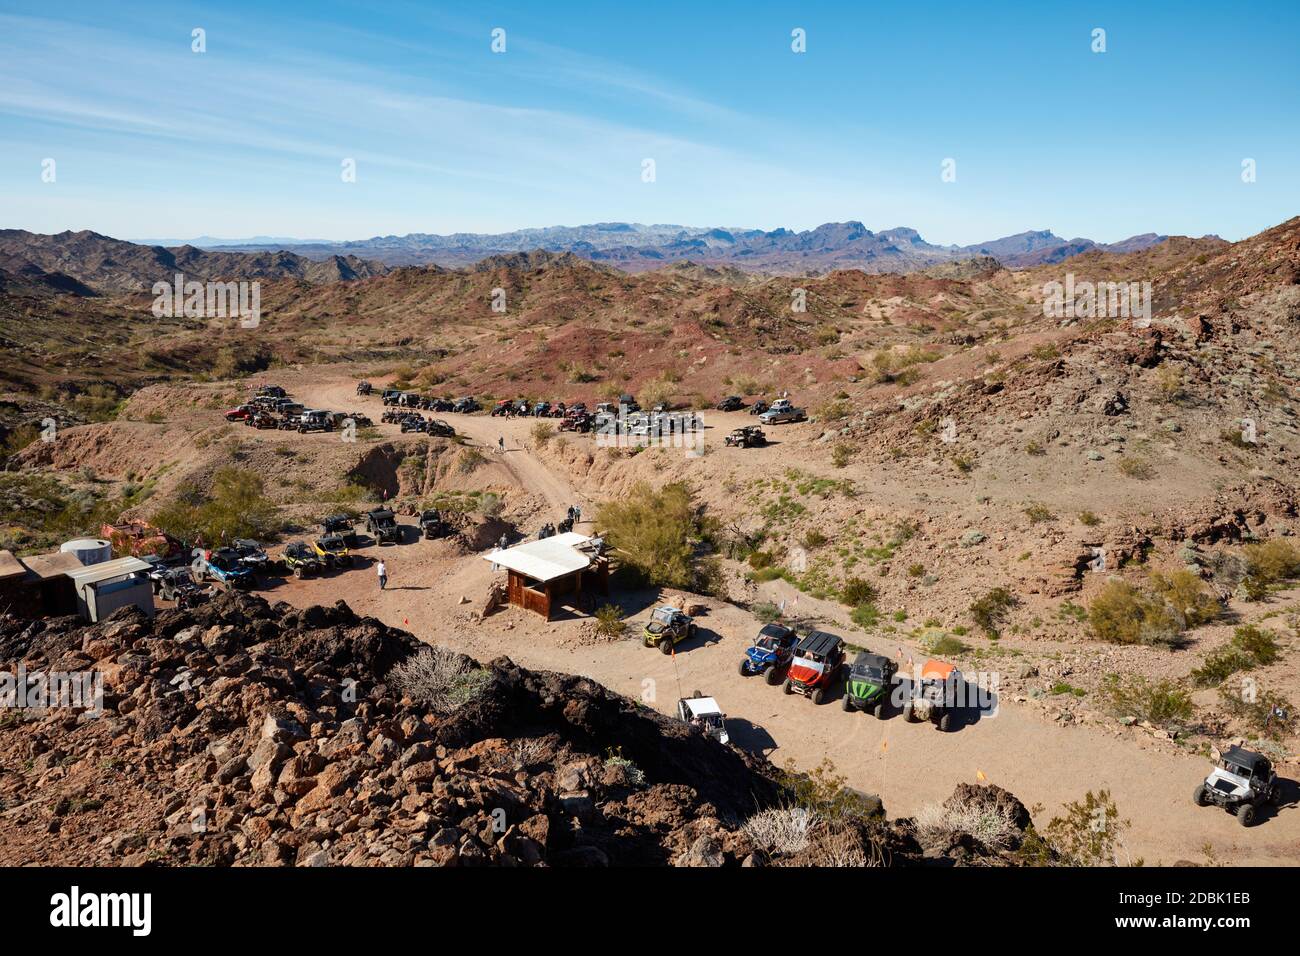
{"points": [[383, 574], [501, 445], [495, 566]]}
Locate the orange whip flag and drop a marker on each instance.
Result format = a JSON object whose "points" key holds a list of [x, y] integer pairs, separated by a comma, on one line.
{"points": [[979, 775]]}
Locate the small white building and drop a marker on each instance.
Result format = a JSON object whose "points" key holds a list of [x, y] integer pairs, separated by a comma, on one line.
{"points": [[103, 588], [544, 574]]}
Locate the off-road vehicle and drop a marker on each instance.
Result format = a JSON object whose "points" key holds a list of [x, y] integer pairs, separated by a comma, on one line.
{"points": [[668, 626], [333, 551], [770, 653], [759, 407], [732, 403], [165, 578], [239, 413], [316, 420], [252, 555], [389, 396], [274, 391], [432, 525], [412, 423], [465, 405], [383, 526], [262, 420], [869, 682], [300, 560], [223, 567], [751, 436], [815, 666], [364, 388], [1241, 783], [341, 525], [781, 411], [703, 714], [501, 409], [575, 422], [934, 695], [439, 429]]}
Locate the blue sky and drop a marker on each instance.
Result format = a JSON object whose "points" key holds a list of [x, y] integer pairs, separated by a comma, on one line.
{"points": [[153, 140]]}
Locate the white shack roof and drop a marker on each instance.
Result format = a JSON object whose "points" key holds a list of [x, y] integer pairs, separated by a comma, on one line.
{"points": [[547, 559], [107, 570]]}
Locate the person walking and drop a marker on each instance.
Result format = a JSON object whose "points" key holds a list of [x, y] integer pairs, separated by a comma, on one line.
{"points": [[383, 574]]}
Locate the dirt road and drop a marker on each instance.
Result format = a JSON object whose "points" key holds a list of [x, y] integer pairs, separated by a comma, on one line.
{"points": [[910, 765]]}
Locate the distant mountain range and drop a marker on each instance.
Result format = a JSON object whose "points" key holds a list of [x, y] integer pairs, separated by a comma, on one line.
{"points": [[634, 247], [87, 263]]}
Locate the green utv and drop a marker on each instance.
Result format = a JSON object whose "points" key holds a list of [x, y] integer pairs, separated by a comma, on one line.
{"points": [[868, 685]]}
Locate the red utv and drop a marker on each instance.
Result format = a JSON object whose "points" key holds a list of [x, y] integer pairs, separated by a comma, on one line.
{"points": [[240, 413], [815, 666]]}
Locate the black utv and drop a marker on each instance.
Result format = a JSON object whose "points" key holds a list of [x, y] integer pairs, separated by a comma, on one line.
{"points": [[432, 525], [341, 525], [382, 525]]}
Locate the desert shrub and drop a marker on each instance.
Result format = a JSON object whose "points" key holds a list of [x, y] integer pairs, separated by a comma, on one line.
{"points": [[1269, 563], [1187, 594], [948, 646], [1037, 513], [489, 505], [834, 411], [609, 621], [542, 432], [1161, 701], [658, 534], [469, 460], [1088, 519], [635, 775], [1138, 468], [781, 830], [992, 824], [236, 507], [1088, 834], [662, 389], [765, 611], [822, 791], [841, 454], [865, 615], [1123, 614], [813, 539], [1169, 384], [857, 591], [439, 678], [759, 559], [990, 611], [1266, 712]]}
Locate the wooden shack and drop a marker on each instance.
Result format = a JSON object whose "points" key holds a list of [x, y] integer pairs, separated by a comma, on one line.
{"points": [[544, 575]]}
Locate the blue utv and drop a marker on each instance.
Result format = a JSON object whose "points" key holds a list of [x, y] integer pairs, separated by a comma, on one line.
{"points": [[770, 653]]}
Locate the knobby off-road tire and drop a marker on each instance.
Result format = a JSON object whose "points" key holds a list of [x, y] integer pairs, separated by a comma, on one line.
{"points": [[909, 713], [744, 671], [786, 687], [665, 646], [848, 703], [879, 711], [1198, 796], [945, 723], [818, 696], [772, 676], [1246, 814]]}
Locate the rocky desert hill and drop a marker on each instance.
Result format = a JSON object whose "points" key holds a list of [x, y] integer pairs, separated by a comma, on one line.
{"points": [[245, 733]]}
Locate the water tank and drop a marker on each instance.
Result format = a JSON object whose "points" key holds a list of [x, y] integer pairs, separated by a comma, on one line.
{"points": [[88, 550]]}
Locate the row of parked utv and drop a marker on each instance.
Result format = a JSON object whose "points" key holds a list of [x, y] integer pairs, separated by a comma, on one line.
{"points": [[813, 664], [271, 408], [396, 398]]}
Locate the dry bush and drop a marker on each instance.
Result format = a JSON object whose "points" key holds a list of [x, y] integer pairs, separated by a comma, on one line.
{"points": [[994, 825], [542, 433], [1188, 595], [782, 830], [1123, 614], [438, 677], [837, 846]]}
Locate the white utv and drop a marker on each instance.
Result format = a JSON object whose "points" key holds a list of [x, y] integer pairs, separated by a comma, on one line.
{"points": [[1242, 782], [703, 714]]}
